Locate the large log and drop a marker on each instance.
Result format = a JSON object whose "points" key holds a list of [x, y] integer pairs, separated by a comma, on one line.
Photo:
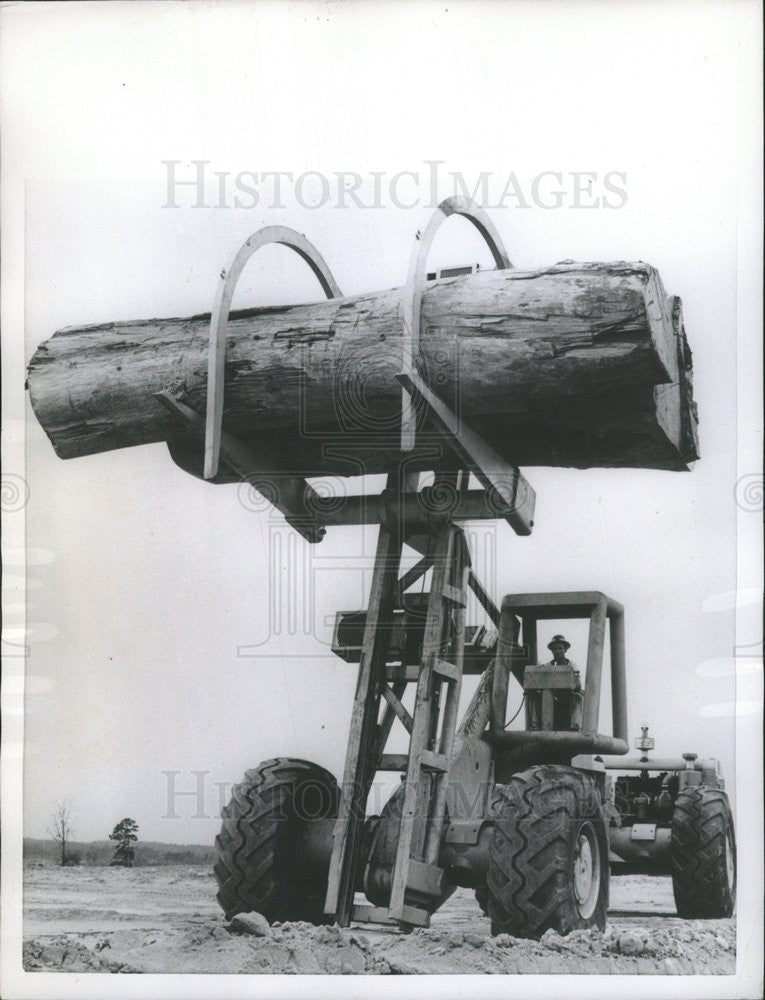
{"points": [[576, 365]]}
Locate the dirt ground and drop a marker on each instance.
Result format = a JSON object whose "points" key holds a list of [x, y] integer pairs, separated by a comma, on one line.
{"points": [[166, 919]]}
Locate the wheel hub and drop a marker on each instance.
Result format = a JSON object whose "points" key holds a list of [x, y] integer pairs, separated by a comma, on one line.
{"points": [[586, 871]]}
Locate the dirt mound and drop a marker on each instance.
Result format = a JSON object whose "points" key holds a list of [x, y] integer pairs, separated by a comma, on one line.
{"points": [[299, 948], [63, 953], [166, 920]]}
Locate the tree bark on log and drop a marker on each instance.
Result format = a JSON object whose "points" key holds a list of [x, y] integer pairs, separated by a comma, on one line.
{"points": [[575, 365]]}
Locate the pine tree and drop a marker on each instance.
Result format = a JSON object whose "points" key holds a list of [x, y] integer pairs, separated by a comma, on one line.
{"points": [[125, 833]]}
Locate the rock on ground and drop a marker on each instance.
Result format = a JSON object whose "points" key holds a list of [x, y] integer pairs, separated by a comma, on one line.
{"points": [[251, 923]]}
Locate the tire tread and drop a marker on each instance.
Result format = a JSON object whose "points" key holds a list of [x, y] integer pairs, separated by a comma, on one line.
{"points": [[700, 823], [529, 878], [255, 868]]}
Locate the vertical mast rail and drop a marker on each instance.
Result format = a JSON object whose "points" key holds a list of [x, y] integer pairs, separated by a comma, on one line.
{"points": [[360, 760]]}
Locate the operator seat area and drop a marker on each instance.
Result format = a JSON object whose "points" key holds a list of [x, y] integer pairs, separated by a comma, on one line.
{"points": [[552, 698]]}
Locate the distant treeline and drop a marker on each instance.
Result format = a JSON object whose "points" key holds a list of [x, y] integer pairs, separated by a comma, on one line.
{"points": [[101, 852]]}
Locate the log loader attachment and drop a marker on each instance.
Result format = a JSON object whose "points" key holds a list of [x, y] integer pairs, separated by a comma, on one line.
{"points": [[528, 816], [529, 809]]}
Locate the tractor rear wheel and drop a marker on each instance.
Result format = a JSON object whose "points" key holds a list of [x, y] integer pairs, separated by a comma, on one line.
{"points": [[259, 864], [548, 860], [703, 854]]}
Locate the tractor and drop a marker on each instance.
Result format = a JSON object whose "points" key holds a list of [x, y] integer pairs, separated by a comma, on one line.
{"points": [[530, 818], [673, 817], [574, 365], [524, 811]]}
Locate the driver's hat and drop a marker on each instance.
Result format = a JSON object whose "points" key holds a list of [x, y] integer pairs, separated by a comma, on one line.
{"points": [[558, 638]]}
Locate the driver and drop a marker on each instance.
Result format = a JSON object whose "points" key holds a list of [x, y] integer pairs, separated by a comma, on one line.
{"points": [[568, 704]]}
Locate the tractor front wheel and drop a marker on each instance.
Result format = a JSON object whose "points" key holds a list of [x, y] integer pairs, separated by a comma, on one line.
{"points": [[548, 860], [703, 854], [259, 863]]}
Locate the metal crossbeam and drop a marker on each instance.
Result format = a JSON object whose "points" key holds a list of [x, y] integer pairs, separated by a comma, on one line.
{"points": [[386, 723], [493, 472], [294, 497], [399, 710]]}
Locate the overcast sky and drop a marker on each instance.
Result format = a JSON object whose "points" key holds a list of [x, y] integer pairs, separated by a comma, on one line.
{"points": [[159, 640]]}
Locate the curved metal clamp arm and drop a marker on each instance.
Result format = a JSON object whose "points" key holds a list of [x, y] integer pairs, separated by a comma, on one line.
{"points": [[456, 205], [219, 322]]}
